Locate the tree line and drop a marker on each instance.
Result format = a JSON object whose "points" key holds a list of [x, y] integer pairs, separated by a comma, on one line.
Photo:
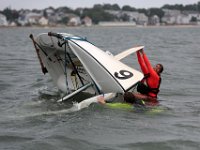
{"points": [[97, 12]]}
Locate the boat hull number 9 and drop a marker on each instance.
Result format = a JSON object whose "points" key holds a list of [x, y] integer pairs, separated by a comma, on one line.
{"points": [[123, 74]]}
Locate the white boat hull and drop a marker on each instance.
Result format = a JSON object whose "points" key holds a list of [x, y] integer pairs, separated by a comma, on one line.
{"points": [[105, 72]]}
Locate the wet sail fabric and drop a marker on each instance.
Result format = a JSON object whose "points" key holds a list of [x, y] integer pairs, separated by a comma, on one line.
{"points": [[109, 74]]}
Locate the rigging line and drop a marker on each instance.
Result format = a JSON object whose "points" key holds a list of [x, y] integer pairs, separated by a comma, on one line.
{"points": [[76, 82], [74, 64], [35, 43], [60, 61], [52, 53], [52, 41], [66, 69]]}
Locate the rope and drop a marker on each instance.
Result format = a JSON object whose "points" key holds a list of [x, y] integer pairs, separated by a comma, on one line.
{"points": [[74, 67], [66, 69]]}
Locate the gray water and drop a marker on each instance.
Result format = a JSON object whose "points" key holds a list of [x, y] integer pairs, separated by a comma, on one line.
{"points": [[30, 118]]}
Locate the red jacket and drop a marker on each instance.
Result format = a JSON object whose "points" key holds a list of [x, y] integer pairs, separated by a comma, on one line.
{"points": [[153, 79]]}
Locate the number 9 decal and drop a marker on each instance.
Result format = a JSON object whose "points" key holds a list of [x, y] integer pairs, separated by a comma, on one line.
{"points": [[123, 74]]}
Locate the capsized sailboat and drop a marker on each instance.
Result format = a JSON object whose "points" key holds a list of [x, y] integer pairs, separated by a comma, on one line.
{"points": [[77, 65]]}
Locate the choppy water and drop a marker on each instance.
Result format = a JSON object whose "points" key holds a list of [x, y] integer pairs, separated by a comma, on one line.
{"points": [[30, 118]]}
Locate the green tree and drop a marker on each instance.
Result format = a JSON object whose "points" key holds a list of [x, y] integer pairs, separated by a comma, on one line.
{"points": [[64, 20], [155, 11], [198, 6], [97, 6], [193, 19], [125, 17], [45, 14], [128, 8], [144, 11], [97, 14], [107, 7], [191, 7], [64, 9], [174, 7], [115, 7], [11, 15]]}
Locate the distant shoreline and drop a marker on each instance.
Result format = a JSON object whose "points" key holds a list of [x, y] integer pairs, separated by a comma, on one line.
{"points": [[93, 26]]}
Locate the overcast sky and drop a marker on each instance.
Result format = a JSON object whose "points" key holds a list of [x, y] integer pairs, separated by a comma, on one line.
{"points": [[40, 4]]}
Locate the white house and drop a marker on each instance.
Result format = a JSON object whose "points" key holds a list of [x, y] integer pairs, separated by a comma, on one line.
{"points": [[195, 15], [133, 16], [74, 21], [154, 20], [142, 19], [29, 18], [43, 21], [33, 19], [3, 20], [169, 19], [13, 24], [183, 19], [177, 17], [171, 12], [139, 18], [22, 20], [170, 16], [87, 21]]}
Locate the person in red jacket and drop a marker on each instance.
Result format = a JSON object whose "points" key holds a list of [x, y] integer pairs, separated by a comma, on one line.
{"points": [[148, 88]]}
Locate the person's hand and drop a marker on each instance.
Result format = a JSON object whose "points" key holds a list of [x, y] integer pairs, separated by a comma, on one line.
{"points": [[101, 100], [141, 51]]}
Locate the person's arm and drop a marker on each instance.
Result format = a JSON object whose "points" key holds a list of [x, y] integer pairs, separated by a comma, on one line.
{"points": [[142, 63], [147, 62]]}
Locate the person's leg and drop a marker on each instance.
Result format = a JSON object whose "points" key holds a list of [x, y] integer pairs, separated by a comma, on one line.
{"points": [[140, 96], [129, 97], [145, 98]]}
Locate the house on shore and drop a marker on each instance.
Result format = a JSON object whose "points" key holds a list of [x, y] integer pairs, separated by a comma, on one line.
{"points": [[176, 17], [154, 20], [43, 21], [3, 20], [31, 18], [130, 16], [74, 20], [87, 21]]}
